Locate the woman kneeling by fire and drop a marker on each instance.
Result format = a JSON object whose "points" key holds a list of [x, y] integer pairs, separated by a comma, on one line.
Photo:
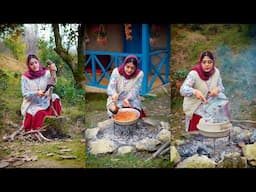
{"points": [[38, 102], [203, 94], [124, 87]]}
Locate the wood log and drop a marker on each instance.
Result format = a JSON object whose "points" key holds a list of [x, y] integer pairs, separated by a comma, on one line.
{"points": [[157, 153], [242, 121], [54, 127], [15, 133], [166, 150]]}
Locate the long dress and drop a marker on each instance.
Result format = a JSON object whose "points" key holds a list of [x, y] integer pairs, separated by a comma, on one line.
{"points": [[34, 108], [127, 88], [216, 110]]}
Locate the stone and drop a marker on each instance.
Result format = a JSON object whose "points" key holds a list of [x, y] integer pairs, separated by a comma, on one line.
{"points": [[125, 149], [249, 151], [164, 135], [150, 122], [91, 133], [233, 160], [3, 164], [105, 124], [197, 161], [175, 156], [179, 142], [147, 144], [102, 146], [165, 125]]}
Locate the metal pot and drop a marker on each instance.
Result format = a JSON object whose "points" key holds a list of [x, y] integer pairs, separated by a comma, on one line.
{"points": [[214, 130], [128, 122]]}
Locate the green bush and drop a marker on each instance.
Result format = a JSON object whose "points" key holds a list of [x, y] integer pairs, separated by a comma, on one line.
{"points": [[17, 46], [180, 74], [3, 80]]}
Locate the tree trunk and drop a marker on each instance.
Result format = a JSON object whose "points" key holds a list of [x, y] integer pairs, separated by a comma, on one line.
{"points": [[77, 69]]}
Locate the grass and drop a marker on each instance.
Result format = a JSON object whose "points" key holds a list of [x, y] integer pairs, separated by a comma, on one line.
{"points": [[125, 161], [96, 101], [78, 150], [42, 149]]}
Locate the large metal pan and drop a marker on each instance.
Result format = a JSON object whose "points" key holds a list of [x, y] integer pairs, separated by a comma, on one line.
{"points": [[214, 130], [119, 122]]}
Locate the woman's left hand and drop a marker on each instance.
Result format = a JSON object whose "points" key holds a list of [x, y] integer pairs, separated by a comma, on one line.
{"points": [[126, 103], [214, 92]]}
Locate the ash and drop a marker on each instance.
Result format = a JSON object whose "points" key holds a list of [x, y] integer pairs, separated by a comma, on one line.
{"points": [[128, 134]]}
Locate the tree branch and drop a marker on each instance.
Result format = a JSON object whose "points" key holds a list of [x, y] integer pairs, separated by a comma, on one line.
{"points": [[60, 50]]}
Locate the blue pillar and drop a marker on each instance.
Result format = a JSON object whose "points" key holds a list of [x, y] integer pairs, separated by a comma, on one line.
{"points": [[94, 81], [145, 57]]}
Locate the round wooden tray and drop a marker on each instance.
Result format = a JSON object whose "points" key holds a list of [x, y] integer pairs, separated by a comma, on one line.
{"points": [[214, 130]]}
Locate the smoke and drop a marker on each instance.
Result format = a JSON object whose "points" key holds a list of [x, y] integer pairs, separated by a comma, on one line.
{"points": [[238, 71]]}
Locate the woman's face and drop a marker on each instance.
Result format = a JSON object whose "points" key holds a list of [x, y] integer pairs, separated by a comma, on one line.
{"points": [[207, 64], [129, 68], [34, 64]]}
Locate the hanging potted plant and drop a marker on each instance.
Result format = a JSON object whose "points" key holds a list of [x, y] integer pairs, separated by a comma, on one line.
{"points": [[154, 34], [102, 35]]}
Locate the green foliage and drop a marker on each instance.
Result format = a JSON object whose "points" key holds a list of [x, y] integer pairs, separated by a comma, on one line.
{"points": [[18, 47], [3, 87], [180, 74], [195, 27], [7, 30], [65, 88], [70, 34], [46, 52], [3, 80]]}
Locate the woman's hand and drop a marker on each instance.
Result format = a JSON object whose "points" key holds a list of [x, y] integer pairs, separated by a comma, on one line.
{"points": [[200, 96], [40, 93], [52, 67], [126, 103], [214, 92], [114, 97]]}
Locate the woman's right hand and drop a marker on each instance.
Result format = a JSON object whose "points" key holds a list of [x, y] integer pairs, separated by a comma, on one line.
{"points": [[114, 97], [40, 93], [200, 96]]}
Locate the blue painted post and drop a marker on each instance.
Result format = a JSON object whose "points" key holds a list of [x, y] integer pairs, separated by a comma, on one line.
{"points": [[145, 57], [168, 46], [94, 81]]}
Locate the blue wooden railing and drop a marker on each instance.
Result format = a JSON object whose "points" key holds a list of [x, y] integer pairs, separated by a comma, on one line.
{"points": [[117, 59]]}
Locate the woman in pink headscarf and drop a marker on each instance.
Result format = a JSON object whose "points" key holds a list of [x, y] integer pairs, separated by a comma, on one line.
{"points": [[37, 103], [124, 87], [203, 93]]}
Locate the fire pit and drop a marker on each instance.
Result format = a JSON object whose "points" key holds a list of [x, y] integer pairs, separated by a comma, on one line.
{"points": [[125, 121], [214, 130]]}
